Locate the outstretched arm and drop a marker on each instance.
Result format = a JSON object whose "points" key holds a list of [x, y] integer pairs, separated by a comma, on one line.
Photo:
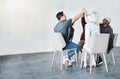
{"points": [[74, 19], [83, 22]]}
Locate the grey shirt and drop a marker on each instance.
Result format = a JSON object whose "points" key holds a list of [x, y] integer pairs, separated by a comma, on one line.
{"points": [[63, 28]]}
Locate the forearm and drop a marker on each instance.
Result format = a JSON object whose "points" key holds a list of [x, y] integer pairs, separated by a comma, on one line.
{"points": [[79, 15], [74, 19], [83, 22]]}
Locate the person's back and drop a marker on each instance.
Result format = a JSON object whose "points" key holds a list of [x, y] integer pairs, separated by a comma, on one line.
{"points": [[82, 37], [64, 26], [91, 26]]}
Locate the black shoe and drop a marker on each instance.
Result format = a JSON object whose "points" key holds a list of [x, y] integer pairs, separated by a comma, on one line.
{"points": [[99, 61]]}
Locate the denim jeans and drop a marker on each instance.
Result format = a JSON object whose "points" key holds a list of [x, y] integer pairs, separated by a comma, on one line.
{"points": [[72, 52]]}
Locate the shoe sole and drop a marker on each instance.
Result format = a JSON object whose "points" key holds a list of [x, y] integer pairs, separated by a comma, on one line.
{"points": [[100, 63]]}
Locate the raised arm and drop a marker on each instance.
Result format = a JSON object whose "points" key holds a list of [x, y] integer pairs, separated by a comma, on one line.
{"points": [[74, 19]]}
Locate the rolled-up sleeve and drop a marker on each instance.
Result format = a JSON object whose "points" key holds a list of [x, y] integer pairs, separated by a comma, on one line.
{"points": [[68, 23], [110, 46]]}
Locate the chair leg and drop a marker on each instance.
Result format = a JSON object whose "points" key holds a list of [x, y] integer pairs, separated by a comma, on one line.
{"points": [[90, 63], [53, 59], [113, 57], [93, 60], [80, 54], [85, 59], [77, 54], [105, 62], [81, 63], [62, 53]]}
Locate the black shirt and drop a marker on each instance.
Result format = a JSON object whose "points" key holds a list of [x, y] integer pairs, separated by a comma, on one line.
{"points": [[109, 30]]}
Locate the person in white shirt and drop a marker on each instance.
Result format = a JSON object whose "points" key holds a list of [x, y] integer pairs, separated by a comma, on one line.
{"points": [[92, 26]]}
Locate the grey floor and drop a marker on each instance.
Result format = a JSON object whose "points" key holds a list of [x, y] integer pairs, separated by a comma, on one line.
{"points": [[37, 66]]}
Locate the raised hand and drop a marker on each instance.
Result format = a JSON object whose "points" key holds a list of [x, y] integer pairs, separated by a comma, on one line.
{"points": [[84, 11]]}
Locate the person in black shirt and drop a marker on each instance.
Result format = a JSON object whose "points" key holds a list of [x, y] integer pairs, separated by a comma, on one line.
{"points": [[82, 38], [106, 28]]}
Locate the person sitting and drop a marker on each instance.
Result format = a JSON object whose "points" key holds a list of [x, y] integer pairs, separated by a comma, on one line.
{"points": [[92, 26], [65, 27], [106, 28], [82, 38]]}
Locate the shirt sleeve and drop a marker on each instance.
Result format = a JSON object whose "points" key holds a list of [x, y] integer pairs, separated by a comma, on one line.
{"points": [[101, 28], [68, 23], [110, 46]]}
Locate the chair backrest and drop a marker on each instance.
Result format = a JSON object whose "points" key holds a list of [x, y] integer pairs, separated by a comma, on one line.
{"points": [[115, 39], [98, 43], [58, 41]]}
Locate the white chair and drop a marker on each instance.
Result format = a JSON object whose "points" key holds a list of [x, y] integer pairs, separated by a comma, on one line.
{"points": [[58, 44], [98, 44], [114, 44]]}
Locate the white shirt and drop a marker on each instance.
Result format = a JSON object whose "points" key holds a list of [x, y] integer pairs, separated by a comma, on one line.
{"points": [[89, 29]]}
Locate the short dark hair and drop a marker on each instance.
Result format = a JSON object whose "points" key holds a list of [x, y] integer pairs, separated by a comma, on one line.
{"points": [[59, 15]]}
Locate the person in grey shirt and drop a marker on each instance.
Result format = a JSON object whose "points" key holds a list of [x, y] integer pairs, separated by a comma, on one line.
{"points": [[65, 27]]}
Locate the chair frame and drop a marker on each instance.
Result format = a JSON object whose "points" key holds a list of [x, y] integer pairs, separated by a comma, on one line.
{"points": [[91, 50], [63, 52], [114, 44], [62, 55]]}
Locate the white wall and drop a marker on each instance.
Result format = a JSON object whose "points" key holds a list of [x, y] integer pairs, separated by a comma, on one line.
{"points": [[26, 25]]}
